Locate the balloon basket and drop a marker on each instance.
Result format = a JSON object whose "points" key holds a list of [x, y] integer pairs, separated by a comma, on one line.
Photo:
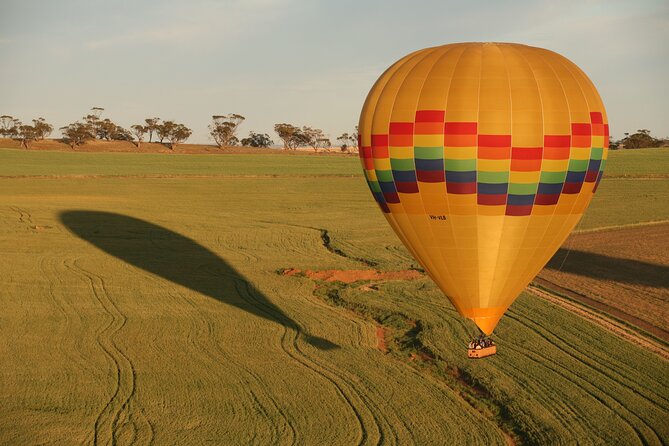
{"points": [[477, 353]]}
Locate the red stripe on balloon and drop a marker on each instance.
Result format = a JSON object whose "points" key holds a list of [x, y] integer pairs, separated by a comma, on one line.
{"points": [[526, 153], [430, 115], [494, 140], [557, 140], [491, 199], [461, 188], [460, 128], [401, 128]]}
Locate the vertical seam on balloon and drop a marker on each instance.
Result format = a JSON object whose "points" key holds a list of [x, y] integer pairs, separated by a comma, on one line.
{"points": [[455, 239], [439, 59], [427, 52], [508, 79], [543, 132], [585, 97], [432, 50], [391, 218], [448, 93], [565, 67], [476, 180], [507, 217], [566, 99]]}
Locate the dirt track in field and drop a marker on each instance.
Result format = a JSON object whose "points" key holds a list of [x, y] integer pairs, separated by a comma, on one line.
{"points": [[623, 272], [616, 327]]}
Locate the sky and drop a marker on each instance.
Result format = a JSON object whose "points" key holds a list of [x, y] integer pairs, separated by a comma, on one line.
{"points": [[304, 62]]}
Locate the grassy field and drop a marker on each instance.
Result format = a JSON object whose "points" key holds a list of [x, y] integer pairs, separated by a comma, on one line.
{"points": [[142, 304]]}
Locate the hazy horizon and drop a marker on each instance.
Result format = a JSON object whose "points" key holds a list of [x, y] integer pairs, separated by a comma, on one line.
{"points": [[305, 63]]}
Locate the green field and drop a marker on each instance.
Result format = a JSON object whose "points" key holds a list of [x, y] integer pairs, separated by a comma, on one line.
{"points": [[142, 305]]}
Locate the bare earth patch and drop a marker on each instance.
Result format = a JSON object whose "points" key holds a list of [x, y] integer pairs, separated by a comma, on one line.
{"points": [[381, 338], [623, 271]]}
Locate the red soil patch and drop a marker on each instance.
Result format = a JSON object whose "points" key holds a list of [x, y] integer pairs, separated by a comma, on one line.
{"points": [[381, 339], [354, 275]]}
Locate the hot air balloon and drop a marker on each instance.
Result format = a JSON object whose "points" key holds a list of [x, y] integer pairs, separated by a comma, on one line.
{"points": [[483, 157]]}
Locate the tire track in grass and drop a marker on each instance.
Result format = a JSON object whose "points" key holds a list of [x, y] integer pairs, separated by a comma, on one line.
{"points": [[540, 393], [255, 387], [362, 328], [344, 385], [608, 323], [369, 426], [567, 374], [118, 419], [25, 218], [616, 374], [205, 329], [577, 380]]}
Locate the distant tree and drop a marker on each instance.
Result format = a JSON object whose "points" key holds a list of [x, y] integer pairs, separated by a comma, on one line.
{"points": [[347, 140], [315, 138], [322, 143], [120, 134], [97, 111], [139, 131], [177, 134], [287, 134], [223, 129], [642, 138], [163, 129], [257, 140], [42, 128], [26, 134], [9, 126], [77, 133], [292, 136], [151, 126], [94, 124]]}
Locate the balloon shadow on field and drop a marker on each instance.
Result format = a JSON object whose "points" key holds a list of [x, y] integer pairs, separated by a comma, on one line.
{"points": [[615, 269], [180, 260]]}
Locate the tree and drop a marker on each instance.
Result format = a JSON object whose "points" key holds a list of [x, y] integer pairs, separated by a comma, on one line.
{"points": [[97, 111], [346, 141], [42, 128], [164, 129], [139, 131], [640, 139], [119, 133], [151, 126], [257, 140], [315, 138], [9, 126], [26, 134], [94, 124], [175, 133], [224, 128], [77, 133], [292, 136], [322, 143]]}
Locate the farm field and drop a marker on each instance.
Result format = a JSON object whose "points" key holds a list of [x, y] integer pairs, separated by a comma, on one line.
{"points": [[145, 302], [624, 268]]}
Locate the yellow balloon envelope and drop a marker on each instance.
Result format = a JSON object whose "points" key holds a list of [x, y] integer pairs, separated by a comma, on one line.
{"points": [[483, 157]]}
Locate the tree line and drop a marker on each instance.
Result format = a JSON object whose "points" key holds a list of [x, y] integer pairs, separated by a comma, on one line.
{"points": [[222, 130], [638, 140]]}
